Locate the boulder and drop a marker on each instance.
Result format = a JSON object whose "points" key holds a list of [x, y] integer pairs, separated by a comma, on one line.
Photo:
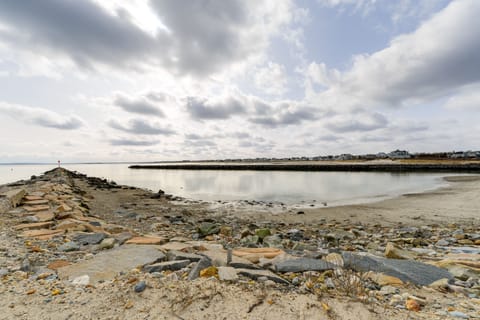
{"points": [[15, 196]]}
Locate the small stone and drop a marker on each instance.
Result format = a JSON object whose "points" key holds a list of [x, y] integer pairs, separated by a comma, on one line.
{"points": [[81, 281], [412, 305], [227, 274], [69, 246], [3, 272], [141, 286], [250, 240], [387, 290], [200, 265], [107, 243]]}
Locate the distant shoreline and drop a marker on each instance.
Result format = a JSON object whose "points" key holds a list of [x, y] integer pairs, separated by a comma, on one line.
{"points": [[332, 166]]}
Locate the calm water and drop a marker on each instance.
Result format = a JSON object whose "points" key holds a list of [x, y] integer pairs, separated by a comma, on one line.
{"points": [[289, 187]]}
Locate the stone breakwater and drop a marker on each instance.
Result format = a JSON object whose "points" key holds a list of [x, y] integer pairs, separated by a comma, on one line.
{"points": [[87, 247]]}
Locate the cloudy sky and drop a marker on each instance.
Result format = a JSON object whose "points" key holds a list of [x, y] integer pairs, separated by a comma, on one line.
{"points": [[139, 80]]}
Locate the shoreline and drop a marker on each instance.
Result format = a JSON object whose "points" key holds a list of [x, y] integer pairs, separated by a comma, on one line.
{"points": [[349, 166]]}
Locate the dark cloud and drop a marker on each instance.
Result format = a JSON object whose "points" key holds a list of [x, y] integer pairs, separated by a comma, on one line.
{"points": [[205, 109], [130, 142], [140, 126], [41, 117], [140, 105], [201, 37], [80, 29]]}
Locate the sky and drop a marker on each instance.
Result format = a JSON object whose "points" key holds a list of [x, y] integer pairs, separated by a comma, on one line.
{"points": [[155, 80]]}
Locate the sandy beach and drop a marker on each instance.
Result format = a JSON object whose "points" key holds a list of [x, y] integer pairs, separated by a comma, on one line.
{"points": [[77, 247]]}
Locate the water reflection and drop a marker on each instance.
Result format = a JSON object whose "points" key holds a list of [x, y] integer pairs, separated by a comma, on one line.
{"points": [[284, 186]]}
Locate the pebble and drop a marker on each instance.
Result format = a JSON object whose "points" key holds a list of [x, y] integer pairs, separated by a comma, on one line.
{"points": [[69, 246], [141, 286]]}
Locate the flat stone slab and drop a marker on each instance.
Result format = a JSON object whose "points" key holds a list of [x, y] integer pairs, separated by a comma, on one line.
{"points": [[147, 240], [107, 264], [168, 265], [45, 216], [178, 246], [268, 253], [33, 198], [174, 255], [219, 259], [35, 225], [255, 274], [406, 270], [35, 202], [41, 233], [36, 208], [303, 264]]}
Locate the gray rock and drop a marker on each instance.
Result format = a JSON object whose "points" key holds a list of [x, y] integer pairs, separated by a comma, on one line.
{"points": [[139, 287], [89, 238], [26, 266], [3, 272], [303, 264], [107, 264], [406, 270], [205, 262], [255, 274], [295, 234], [227, 274], [168, 265], [250, 241], [442, 243], [123, 237], [173, 255], [69, 246]]}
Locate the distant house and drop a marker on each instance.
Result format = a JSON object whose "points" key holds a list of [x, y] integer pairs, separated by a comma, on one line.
{"points": [[345, 156], [399, 154], [382, 155]]}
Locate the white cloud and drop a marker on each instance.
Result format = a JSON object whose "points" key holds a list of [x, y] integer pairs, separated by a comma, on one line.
{"points": [[271, 79], [440, 57], [41, 117]]}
